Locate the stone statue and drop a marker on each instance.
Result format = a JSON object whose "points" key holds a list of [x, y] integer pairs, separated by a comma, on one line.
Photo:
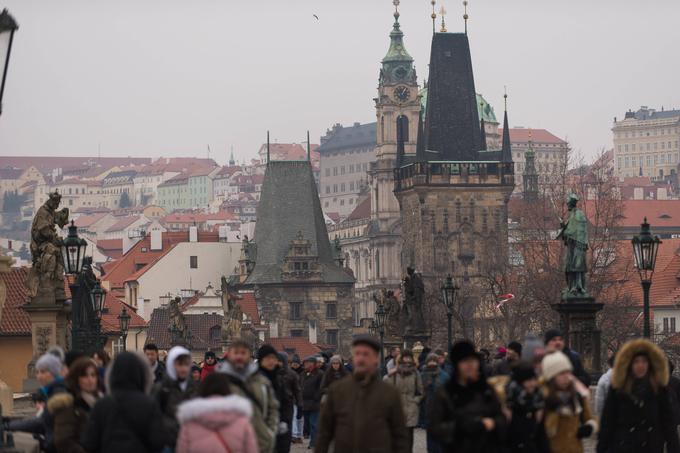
{"points": [[393, 322], [574, 234], [414, 291], [47, 272], [232, 321]]}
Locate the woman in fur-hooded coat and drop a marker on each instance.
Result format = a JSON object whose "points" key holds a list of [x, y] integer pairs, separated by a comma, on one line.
{"points": [[637, 414]]}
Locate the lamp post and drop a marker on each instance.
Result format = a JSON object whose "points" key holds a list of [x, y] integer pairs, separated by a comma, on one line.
{"points": [[87, 296], [372, 329], [449, 290], [380, 316], [7, 28], [124, 324], [645, 250]]}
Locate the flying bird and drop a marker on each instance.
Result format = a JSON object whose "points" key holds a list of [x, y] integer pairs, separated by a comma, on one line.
{"points": [[315, 16]]}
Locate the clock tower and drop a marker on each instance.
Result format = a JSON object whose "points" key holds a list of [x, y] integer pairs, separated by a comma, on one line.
{"points": [[397, 111]]}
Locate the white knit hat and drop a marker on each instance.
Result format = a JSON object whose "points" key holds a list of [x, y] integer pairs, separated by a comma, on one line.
{"points": [[554, 364]]}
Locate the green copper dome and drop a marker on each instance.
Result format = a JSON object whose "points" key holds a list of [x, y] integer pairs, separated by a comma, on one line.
{"points": [[484, 109], [397, 66]]}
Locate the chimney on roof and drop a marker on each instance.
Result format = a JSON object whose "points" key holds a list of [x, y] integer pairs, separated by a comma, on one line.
{"points": [[156, 240]]}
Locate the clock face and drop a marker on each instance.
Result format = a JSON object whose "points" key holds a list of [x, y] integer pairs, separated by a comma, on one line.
{"points": [[401, 93]]}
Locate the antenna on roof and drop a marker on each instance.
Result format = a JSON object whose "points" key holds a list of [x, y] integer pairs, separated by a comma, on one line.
{"points": [[267, 147], [208, 151], [309, 154]]}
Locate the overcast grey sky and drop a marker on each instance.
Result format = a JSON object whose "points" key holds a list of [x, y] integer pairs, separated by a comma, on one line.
{"points": [[169, 77]]}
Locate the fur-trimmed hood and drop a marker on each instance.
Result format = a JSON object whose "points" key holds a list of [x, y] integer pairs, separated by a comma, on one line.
{"points": [[625, 356], [203, 407], [129, 371], [60, 402]]}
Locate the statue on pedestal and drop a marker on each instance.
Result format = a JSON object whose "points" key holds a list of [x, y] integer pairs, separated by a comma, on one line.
{"points": [[232, 321], [414, 292], [574, 234], [46, 276]]}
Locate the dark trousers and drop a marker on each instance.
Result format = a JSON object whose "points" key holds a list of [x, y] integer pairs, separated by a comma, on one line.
{"points": [[307, 425], [283, 442], [432, 444], [313, 419], [409, 439]]}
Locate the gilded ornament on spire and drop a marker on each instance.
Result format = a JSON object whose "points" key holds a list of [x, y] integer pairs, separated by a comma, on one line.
{"points": [[465, 14], [442, 12], [433, 15]]}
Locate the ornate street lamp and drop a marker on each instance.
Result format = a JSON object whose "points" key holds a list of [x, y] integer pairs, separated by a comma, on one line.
{"points": [[372, 329], [124, 323], [380, 318], [645, 250], [449, 290], [73, 251], [7, 28], [97, 296]]}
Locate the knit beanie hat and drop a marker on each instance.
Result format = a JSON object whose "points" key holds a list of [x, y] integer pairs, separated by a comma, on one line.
{"points": [[432, 357], [336, 359], [554, 364], [295, 359], [50, 363], [265, 350], [209, 354]]}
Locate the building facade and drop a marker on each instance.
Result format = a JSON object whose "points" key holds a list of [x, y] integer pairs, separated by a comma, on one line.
{"points": [[550, 154], [300, 289], [647, 143]]}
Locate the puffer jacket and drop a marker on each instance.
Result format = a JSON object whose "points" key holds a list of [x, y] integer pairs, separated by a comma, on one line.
{"points": [[252, 385], [637, 414], [216, 425]]}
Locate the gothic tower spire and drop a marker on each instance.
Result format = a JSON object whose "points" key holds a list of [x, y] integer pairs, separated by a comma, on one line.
{"points": [[506, 148]]}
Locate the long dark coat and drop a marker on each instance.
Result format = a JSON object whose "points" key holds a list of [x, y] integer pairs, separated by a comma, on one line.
{"points": [[455, 418], [638, 420]]}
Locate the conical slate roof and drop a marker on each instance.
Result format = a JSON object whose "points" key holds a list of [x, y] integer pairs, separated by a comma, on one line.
{"points": [[289, 203]]}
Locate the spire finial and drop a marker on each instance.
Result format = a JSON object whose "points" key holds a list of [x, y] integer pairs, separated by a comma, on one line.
{"points": [[309, 147], [531, 144], [433, 15], [396, 9], [505, 97], [442, 12], [267, 147], [465, 15]]}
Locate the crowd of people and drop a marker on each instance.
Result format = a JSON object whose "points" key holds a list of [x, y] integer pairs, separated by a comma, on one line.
{"points": [[529, 397]]}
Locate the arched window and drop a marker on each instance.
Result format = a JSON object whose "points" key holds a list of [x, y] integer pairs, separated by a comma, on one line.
{"points": [[382, 129], [402, 128]]}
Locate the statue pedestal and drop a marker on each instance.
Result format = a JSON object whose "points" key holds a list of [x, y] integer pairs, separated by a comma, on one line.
{"points": [[411, 338], [578, 324], [49, 325]]}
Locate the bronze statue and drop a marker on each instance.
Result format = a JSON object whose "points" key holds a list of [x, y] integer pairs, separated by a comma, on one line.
{"points": [[47, 273], [574, 234], [232, 321], [414, 292]]}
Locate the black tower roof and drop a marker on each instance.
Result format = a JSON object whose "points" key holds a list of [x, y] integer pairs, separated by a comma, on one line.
{"points": [[452, 123], [289, 204]]}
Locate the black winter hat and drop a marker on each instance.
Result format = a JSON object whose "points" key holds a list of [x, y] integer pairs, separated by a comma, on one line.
{"points": [[265, 350], [523, 372], [209, 354], [368, 340], [462, 350], [515, 346], [295, 359], [550, 334]]}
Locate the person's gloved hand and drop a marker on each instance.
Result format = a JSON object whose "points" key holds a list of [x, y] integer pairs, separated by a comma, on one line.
{"points": [[584, 431]]}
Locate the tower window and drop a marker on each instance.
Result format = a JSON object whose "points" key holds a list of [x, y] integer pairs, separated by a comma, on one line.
{"points": [[402, 128], [332, 337], [295, 310], [331, 310]]}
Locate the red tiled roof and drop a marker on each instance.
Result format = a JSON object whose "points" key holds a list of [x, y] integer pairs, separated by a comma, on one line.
{"points": [[135, 260], [294, 345], [48, 163], [200, 327], [658, 212], [114, 307], [538, 136], [85, 221], [362, 210], [637, 181], [248, 305], [112, 248], [15, 321], [229, 170], [123, 223]]}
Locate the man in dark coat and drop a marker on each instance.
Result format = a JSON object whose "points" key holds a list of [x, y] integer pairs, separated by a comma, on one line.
{"points": [[157, 367], [465, 414], [291, 398], [311, 395], [637, 414], [127, 420], [177, 386], [297, 428], [554, 341], [363, 413]]}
